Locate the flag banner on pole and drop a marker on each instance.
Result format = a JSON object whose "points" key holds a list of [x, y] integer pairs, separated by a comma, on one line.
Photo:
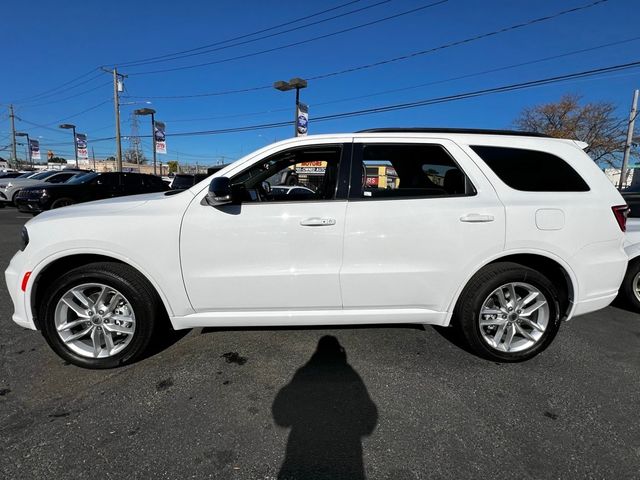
{"points": [[160, 138], [302, 119], [81, 145], [34, 147]]}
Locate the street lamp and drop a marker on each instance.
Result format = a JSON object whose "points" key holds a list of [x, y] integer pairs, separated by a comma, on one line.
{"points": [[75, 140], [22, 134], [298, 84], [152, 112]]}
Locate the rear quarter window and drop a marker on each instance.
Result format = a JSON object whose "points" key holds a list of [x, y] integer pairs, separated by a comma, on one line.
{"points": [[531, 170]]}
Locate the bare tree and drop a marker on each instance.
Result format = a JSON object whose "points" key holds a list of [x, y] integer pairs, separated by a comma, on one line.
{"points": [[593, 123]]}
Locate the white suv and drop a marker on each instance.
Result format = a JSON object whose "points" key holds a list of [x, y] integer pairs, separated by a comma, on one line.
{"points": [[500, 234]]}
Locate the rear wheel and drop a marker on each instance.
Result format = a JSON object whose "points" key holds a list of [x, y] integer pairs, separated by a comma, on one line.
{"points": [[61, 202], [101, 315], [630, 288], [508, 312]]}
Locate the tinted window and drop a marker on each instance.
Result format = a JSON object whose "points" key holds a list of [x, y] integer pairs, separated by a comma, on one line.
{"points": [[151, 181], [107, 179], [59, 178], [410, 170], [531, 170], [131, 180], [181, 182], [313, 168]]}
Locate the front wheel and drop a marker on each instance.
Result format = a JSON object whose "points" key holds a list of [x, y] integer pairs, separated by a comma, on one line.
{"points": [[101, 315], [508, 312]]}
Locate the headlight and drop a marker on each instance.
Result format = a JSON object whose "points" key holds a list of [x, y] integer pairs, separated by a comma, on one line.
{"points": [[44, 193], [24, 236]]}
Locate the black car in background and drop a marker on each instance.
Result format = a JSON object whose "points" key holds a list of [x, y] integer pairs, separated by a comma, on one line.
{"points": [[632, 197], [182, 181], [10, 174], [85, 188]]}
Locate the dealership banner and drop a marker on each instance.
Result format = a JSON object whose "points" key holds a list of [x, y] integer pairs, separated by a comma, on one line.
{"points": [[34, 148], [159, 137], [81, 146], [302, 120]]}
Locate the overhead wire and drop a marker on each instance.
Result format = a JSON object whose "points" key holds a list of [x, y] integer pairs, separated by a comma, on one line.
{"points": [[297, 43], [263, 37], [393, 59]]}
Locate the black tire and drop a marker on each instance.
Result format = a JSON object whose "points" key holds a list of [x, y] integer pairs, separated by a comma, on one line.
{"points": [[61, 202], [146, 305], [467, 312], [13, 197], [628, 288]]}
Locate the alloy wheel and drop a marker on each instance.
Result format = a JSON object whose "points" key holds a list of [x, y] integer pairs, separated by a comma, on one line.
{"points": [[514, 317], [95, 320]]}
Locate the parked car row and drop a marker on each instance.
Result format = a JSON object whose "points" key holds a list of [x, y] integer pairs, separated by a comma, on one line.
{"points": [[84, 188]]}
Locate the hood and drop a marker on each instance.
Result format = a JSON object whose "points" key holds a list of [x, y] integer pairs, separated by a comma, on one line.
{"points": [[101, 207]]}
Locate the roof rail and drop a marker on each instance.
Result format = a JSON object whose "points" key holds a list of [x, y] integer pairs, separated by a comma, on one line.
{"points": [[453, 130]]}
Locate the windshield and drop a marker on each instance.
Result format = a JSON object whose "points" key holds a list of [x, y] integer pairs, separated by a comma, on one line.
{"points": [[25, 175], [84, 178], [43, 175]]}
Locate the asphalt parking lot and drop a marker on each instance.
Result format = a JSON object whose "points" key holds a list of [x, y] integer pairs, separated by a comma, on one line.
{"points": [[283, 403]]}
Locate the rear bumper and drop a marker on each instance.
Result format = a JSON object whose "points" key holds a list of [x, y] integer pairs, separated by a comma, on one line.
{"points": [[13, 276], [600, 268]]}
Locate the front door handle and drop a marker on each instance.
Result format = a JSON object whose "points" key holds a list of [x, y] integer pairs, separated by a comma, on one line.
{"points": [[318, 222], [476, 218]]}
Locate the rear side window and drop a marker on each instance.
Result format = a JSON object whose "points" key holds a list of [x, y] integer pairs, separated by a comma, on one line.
{"points": [[409, 170], [531, 170]]}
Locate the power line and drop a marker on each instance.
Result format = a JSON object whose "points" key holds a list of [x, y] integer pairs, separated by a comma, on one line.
{"points": [[420, 85], [47, 93], [291, 22], [72, 96], [396, 59], [300, 42], [205, 50], [416, 104]]}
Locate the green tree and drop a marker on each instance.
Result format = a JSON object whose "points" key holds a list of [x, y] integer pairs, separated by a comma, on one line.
{"points": [[57, 160], [173, 166]]}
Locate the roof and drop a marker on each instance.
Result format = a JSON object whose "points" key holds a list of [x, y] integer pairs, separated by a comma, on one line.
{"points": [[477, 131]]}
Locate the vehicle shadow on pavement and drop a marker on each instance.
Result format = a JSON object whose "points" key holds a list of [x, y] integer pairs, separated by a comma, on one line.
{"points": [[328, 409]]}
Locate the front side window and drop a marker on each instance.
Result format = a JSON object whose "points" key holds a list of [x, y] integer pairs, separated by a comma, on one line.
{"points": [[306, 173], [409, 170]]}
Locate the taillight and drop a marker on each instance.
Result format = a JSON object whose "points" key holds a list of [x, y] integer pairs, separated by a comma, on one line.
{"points": [[621, 212]]}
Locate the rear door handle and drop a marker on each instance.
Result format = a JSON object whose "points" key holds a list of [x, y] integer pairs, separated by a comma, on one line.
{"points": [[318, 222], [476, 218]]}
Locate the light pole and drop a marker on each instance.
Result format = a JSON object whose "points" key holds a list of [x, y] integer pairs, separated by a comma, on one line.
{"points": [[298, 84], [152, 112], [22, 134], [75, 140]]}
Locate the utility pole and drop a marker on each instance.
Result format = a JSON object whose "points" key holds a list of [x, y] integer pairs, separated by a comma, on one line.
{"points": [[627, 146], [13, 137], [116, 106], [93, 154]]}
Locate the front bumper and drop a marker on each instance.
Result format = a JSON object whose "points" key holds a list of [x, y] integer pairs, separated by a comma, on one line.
{"points": [[13, 276], [29, 205]]}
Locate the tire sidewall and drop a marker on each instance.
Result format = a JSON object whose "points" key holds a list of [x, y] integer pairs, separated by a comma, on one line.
{"points": [[628, 289], [470, 316], [143, 310]]}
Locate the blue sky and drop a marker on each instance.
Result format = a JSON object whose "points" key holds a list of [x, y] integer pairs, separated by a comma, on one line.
{"points": [[51, 43]]}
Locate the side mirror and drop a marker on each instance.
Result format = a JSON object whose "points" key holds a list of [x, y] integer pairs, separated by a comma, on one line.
{"points": [[219, 192]]}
